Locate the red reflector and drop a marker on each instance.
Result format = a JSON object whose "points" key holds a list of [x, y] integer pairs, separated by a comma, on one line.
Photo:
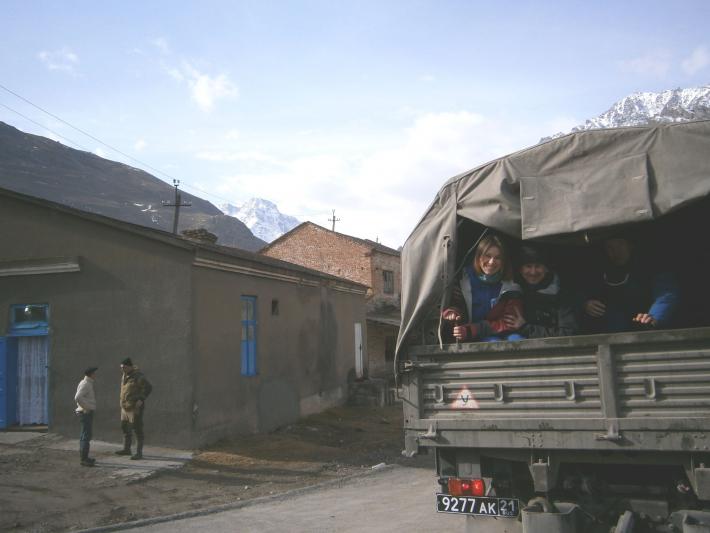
{"points": [[466, 487], [454, 486]]}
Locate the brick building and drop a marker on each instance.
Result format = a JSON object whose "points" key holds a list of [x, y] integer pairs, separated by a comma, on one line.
{"points": [[360, 260]]}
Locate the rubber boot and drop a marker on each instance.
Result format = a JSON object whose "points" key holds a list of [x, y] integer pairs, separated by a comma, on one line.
{"points": [[89, 459], [127, 439], [84, 454], [139, 450]]}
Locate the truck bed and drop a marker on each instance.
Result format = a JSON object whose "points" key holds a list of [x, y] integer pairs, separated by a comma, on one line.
{"points": [[647, 391]]}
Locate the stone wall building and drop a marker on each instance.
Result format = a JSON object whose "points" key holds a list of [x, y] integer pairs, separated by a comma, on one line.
{"points": [[359, 260]]}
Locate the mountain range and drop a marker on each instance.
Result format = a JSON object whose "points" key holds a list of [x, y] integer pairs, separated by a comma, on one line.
{"points": [[262, 217], [638, 109], [40, 167]]}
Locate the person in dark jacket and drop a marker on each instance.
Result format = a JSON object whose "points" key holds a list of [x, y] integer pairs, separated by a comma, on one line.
{"points": [[484, 295], [546, 310], [628, 294], [135, 389]]}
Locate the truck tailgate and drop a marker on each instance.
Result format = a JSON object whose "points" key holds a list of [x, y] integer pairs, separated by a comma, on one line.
{"points": [[641, 391]]}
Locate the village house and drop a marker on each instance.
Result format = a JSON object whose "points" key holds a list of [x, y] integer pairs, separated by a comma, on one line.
{"points": [[360, 260], [233, 342]]}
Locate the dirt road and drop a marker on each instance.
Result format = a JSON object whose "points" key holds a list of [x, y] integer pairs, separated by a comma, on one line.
{"points": [[397, 499], [43, 488]]}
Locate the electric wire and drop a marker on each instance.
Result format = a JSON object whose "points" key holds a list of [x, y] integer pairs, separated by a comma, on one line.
{"points": [[138, 161], [44, 127], [60, 119], [67, 123]]}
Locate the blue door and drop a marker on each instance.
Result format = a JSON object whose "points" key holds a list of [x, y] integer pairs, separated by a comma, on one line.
{"points": [[8, 382], [3, 383], [26, 365]]}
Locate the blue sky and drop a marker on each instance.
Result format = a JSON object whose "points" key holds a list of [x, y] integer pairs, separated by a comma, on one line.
{"points": [[362, 107]]}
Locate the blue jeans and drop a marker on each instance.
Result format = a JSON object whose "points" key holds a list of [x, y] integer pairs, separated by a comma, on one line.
{"points": [[87, 423]]}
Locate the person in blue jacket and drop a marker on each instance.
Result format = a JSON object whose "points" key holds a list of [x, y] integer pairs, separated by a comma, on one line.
{"points": [[629, 295], [486, 293]]}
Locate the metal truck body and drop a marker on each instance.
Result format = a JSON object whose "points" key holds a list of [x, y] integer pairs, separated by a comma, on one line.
{"points": [[567, 434], [548, 409]]}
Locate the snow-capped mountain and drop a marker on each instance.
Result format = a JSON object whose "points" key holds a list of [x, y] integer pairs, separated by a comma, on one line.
{"points": [[262, 217], [637, 109]]}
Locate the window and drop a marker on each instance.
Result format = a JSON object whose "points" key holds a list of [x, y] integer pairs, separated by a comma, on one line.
{"points": [[388, 277], [29, 319], [249, 336]]}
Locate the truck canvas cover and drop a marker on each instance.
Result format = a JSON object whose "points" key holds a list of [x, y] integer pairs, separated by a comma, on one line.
{"points": [[561, 189]]}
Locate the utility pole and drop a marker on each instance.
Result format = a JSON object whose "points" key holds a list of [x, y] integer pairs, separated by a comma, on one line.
{"points": [[177, 205], [333, 220]]}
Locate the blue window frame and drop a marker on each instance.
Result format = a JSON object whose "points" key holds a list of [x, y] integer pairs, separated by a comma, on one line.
{"points": [[29, 320], [249, 336]]}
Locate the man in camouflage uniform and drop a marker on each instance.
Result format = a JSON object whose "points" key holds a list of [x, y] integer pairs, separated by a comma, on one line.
{"points": [[135, 389]]}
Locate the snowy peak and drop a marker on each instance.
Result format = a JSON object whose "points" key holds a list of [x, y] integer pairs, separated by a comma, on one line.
{"points": [[638, 109], [262, 217], [675, 105]]}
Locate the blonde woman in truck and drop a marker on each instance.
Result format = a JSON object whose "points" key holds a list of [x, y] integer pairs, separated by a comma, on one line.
{"points": [[485, 294]]}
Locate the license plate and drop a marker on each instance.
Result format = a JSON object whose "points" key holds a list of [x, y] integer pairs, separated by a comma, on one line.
{"points": [[477, 505]]}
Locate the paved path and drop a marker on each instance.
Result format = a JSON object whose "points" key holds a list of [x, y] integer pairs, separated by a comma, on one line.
{"points": [[115, 466], [395, 499]]}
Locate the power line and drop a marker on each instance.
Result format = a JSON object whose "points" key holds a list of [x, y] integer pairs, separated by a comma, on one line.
{"points": [[142, 163], [60, 119], [44, 127]]}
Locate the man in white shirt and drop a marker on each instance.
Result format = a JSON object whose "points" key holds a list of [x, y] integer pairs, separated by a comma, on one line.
{"points": [[85, 406]]}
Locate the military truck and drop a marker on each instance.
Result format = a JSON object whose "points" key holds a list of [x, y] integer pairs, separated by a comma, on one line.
{"points": [[603, 432]]}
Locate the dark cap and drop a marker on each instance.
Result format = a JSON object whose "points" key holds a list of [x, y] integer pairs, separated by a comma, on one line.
{"points": [[127, 362], [529, 254], [90, 370]]}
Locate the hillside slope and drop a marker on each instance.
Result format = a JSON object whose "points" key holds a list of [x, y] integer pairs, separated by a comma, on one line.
{"points": [[40, 167]]}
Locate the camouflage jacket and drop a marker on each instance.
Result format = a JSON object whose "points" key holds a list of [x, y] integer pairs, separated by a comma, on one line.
{"points": [[134, 387]]}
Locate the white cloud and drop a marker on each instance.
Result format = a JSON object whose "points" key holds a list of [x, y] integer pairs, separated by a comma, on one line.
{"points": [[653, 64], [175, 73], [139, 145], [427, 78], [697, 61], [382, 193], [63, 59], [101, 153], [221, 156], [161, 44], [232, 135], [205, 90]]}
